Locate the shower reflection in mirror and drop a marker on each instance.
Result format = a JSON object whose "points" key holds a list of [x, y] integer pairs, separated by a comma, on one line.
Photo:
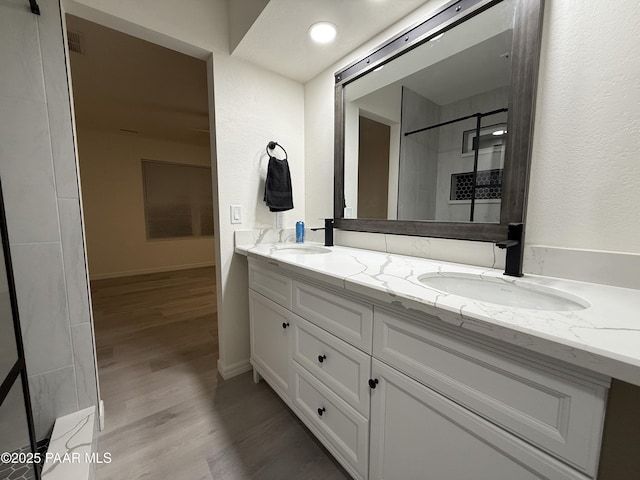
{"points": [[425, 136]]}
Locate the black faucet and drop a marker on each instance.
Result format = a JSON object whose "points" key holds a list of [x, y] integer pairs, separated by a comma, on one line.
{"points": [[513, 245], [328, 232]]}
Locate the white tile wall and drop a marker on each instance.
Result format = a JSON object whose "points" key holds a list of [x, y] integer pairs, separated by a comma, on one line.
{"points": [[26, 170], [39, 178], [20, 53], [58, 101], [42, 305], [74, 260], [53, 394], [482, 254], [81, 336], [619, 269], [368, 241], [275, 235]]}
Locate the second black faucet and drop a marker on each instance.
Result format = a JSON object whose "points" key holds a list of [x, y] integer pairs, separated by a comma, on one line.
{"points": [[328, 232], [513, 245]]}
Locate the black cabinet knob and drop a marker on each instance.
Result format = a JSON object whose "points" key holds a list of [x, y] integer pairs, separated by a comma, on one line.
{"points": [[373, 382], [322, 358], [285, 324], [321, 411]]}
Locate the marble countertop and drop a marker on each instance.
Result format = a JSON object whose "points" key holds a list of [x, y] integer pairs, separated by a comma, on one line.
{"points": [[604, 337]]}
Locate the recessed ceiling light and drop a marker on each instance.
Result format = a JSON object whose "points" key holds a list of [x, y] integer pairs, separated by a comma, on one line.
{"points": [[322, 32]]}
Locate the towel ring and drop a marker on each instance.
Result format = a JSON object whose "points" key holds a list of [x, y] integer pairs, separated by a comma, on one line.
{"points": [[272, 145]]}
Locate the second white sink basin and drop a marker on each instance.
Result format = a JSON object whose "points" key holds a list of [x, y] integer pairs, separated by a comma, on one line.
{"points": [[501, 292], [301, 250]]}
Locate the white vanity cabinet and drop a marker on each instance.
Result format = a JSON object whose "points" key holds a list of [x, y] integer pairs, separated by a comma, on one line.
{"points": [[399, 396]]}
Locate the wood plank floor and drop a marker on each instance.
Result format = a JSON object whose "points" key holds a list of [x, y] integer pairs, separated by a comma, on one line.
{"points": [[168, 414]]}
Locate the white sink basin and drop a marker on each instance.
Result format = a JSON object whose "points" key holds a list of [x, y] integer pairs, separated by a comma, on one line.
{"points": [[502, 292], [301, 250]]}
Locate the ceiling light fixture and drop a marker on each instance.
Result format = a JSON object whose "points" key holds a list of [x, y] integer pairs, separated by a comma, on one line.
{"points": [[379, 68], [497, 133], [322, 32]]}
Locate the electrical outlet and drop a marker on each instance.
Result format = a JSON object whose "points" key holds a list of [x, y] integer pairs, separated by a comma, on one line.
{"points": [[236, 214], [279, 220]]}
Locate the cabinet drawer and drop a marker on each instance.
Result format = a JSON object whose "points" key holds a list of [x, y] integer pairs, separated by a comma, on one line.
{"points": [[346, 318], [560, 413], [343, 431], [273, 285], [342, 368]]}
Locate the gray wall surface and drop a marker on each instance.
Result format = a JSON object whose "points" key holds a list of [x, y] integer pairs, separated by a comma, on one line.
{"points": [[39, 179]]}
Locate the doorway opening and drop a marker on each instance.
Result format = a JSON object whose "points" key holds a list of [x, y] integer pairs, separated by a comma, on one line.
{"points": [[142, 121], [374, 142]]}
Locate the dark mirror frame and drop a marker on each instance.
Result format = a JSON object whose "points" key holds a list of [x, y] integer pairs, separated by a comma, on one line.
{"points": [[527, 36]]}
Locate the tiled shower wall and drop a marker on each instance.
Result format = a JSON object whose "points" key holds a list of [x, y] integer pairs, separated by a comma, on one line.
{"points": [[39, 179]]}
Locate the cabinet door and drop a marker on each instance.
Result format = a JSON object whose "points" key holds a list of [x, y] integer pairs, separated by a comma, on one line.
{"points": [[417, 434], [270, 326]]}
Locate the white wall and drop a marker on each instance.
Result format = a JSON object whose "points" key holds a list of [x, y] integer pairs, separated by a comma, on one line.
{"points": [[585, 169], [113, 198], [242, 15], [318, 147], [252, 106], [249, 107]]}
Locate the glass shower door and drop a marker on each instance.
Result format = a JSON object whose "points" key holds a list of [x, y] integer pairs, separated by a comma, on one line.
{"points": [[17, 436]]}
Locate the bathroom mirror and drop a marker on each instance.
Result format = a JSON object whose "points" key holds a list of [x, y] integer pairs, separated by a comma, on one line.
{"points": [[434, 128]]}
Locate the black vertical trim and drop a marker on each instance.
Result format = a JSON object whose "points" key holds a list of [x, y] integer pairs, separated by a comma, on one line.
{"points": [[34, 7], [10, 379], [476, 154]]}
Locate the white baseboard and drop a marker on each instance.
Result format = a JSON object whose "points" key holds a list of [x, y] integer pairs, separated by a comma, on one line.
{"points": [[233, 370], [131, 273]]}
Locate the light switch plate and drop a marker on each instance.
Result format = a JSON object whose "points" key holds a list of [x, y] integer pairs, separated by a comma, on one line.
{"points": [[236, 214]]}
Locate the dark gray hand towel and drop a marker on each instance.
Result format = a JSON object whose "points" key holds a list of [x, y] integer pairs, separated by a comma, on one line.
{"points": [[277, 188]]}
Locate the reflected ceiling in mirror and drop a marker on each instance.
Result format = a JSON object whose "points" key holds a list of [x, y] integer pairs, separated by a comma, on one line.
{"points": [[425, 135]]}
